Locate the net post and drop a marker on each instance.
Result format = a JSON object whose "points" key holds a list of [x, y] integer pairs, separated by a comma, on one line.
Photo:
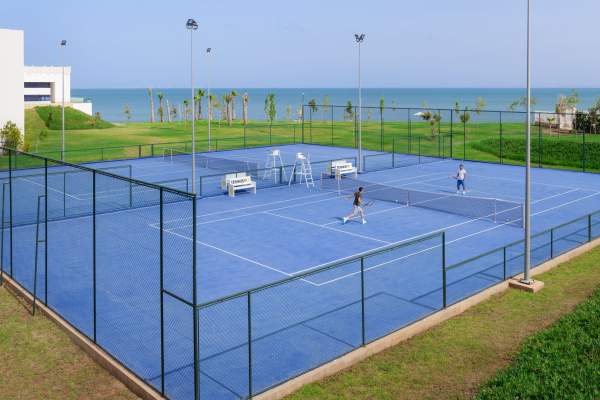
{"points": [[162, 287], [444, 285], [393, 153], [249, 309], [94, 250], [504, 262], [362, 300]]}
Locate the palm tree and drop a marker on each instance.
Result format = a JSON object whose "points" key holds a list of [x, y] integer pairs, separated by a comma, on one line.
{"points": [[312, 105], [227, 100], [198, 98], [168, 111], [127, 112], [160, 107], [174, 112], [151, 104], [186, 106], [348, 111], [245, 108], [233, 96], [325, 107]]}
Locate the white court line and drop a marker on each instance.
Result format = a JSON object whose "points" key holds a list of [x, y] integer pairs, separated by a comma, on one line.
{"points": [[326, 227], [52, 189], [232, 254]]}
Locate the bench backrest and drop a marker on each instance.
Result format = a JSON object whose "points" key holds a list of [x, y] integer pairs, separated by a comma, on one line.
{"points": [[244, 180]]}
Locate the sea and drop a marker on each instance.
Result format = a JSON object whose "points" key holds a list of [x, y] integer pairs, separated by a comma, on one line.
{"points": [[110, 103]]}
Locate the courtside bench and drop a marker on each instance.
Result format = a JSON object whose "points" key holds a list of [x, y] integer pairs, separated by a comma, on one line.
{"points": [[342, 167], [240, 181]]}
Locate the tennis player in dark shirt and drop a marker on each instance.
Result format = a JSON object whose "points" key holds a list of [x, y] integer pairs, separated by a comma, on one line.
{"points": [[357, 207]]}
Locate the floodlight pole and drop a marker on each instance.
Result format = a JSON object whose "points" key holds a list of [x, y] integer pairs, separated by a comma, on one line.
{"points": [[359, 39], [527, 217], [192, 25], [208, 50], [63, 44]]}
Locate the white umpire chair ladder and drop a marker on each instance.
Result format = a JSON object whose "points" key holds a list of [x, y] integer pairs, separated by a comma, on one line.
{"points": [[303, 170], [272, 169]]}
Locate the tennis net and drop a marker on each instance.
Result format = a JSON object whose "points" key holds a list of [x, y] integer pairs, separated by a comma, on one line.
{"points": [[501, 211], [209, 162]]}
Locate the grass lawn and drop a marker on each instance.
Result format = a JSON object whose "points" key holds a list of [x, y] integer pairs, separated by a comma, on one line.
{"points": [[39, 361], [454, 359]]}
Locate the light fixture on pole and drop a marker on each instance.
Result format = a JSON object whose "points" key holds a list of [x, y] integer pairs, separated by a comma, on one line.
{"points": [[63, 44], [208, 50], [359, 39], [192, 25], [527, 217]]}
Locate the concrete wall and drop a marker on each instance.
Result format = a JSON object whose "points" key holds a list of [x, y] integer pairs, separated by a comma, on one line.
{"points": [[83, 107], [12, 107]]}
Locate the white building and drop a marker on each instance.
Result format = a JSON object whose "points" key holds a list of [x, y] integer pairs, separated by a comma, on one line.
{"points": [[11, 78], [44, 86], [29, 86]]}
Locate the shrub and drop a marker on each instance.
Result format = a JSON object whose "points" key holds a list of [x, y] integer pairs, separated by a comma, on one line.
{"points": [[11, 136]]}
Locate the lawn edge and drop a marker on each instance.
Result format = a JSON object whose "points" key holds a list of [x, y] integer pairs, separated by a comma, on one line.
{"points": [[134, 383], [341, 363]]}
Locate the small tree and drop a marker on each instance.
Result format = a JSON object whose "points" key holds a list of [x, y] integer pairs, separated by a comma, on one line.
{"points": [[127, 112], [174, 113], [97, 118], [312, 106], [199, 96], [381, 108], [521, 103], [288, 113], [151, 104], [40, 137], [270, 107], [464, 115], [11, 136], [480, 104], [349, 111], [186, 108], [234, 94]]}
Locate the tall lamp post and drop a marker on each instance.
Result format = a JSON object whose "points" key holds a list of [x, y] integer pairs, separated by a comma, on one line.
{"points": [[208, 50], [359, 39], [63, 45], [527, 217], [192, 25]]}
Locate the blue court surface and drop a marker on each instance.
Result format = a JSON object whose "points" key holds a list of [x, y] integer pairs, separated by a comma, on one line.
{"points": [[260, 239]]}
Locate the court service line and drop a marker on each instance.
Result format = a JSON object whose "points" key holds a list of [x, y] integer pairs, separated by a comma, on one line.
{"points": [[326, 227], [232, 254]]}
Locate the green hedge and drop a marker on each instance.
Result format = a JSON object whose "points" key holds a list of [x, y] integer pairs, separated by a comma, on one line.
{"points": [[74, 119], [566, 152], [562, 362]]}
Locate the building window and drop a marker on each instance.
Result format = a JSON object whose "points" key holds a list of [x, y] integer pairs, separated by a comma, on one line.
{"points": [[36, 97], [37, 84]]}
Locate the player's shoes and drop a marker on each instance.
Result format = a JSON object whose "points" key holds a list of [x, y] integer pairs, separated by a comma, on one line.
{"points": [[364, 221], [344, 220]]}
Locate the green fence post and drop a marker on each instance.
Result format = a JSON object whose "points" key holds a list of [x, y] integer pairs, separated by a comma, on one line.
{"points": [[195, 317], [464, 139], [409, 131], [94, 251], [249, 346], [393, 153], [139, 151], [504, 262], [152, 149], [589, 220], [583, 153], [245, 139], [444, 288], [162, 288], [539, 140], [332, 125], [501, 139], [382, 130], [362, 299], [302, 121], [551, 243], [451, 133], [10, 207]]}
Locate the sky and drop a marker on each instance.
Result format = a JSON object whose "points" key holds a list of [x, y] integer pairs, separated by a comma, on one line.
{"points": [[310, 43]]}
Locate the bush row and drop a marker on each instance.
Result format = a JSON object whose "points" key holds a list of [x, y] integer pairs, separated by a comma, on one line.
{"points": [[568, 153]]}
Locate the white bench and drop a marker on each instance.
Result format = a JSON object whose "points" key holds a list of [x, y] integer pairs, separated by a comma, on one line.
{"points": [[342, 167], [235, 182]]}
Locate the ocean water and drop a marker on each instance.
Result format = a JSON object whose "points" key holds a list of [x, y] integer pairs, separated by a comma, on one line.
{"points": [[111, 102]]}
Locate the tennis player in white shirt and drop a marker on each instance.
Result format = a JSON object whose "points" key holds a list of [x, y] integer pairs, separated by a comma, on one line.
{"points": [[461, 176]]}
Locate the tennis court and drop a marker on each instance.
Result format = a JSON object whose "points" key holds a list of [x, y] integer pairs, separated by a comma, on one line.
{"points": [[281, 285]]}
